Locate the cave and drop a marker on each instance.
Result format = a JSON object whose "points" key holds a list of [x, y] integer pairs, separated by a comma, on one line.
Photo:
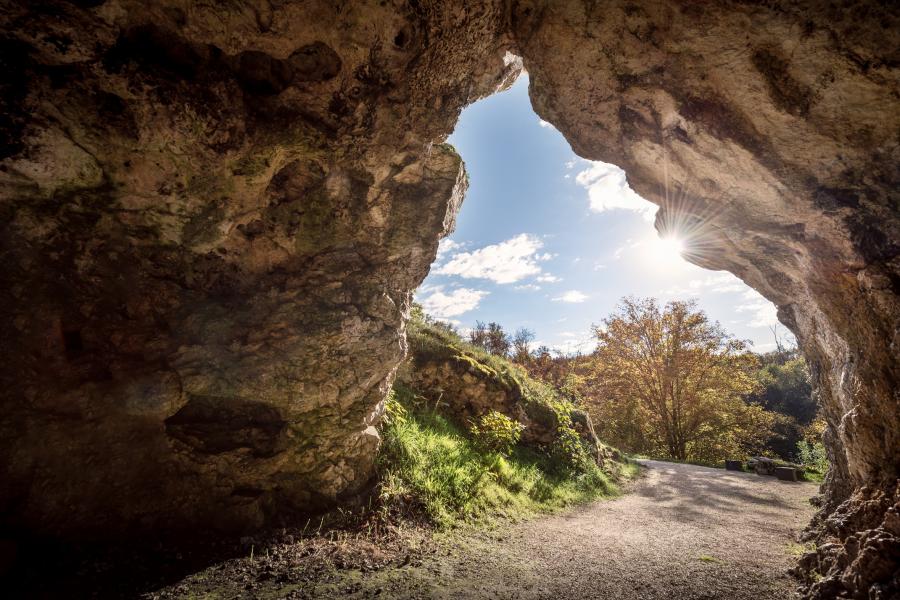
{"points": [[228, 206]]}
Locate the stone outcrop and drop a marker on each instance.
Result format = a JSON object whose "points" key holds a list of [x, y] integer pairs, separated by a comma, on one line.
{"points": [[466, 384], [769, 137], [213, 218], [213, 215]]}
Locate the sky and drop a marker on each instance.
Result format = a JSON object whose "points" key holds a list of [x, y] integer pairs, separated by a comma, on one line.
{"points": [[551, 242]]}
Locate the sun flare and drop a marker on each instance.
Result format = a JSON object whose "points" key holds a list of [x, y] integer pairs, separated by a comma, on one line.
{"points": [[666, 250]]}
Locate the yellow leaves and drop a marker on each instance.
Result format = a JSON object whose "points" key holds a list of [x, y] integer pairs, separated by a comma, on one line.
{"points": [[673, 383]]}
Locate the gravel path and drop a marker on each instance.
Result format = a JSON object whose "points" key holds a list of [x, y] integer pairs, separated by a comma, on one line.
{"points": [[683, 532]]}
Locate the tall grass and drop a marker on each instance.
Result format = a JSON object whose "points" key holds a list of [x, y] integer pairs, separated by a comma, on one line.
{"points": [[430, 463]]}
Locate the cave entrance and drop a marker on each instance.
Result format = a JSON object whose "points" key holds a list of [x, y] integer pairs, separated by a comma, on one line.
{"points": [[550, 242]]}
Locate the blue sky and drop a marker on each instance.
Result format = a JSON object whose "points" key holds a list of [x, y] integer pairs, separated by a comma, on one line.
{"points": [[551, 242]]}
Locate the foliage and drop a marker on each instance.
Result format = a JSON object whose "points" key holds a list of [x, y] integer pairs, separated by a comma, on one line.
{"points": [[669, 383], [811, 451], [490, 337], [521, 348], [812, 456], [783, 387], [428, 462], [568, 448], [495, 432]]}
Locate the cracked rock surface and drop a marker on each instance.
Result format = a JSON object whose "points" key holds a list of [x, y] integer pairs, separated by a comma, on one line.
{"points": [[769, 137], [214, 213], [213, 218]]}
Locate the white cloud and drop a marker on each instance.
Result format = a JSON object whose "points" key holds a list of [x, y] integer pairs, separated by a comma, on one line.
{"points": [[627, 246], [446, 246], [507, 262], [567, 346], [767, 347], [575, 346], [442, 305], [608, 190], [545, 124], [572, 297], [762, 312], [547, 278], [528, 287], [599, 266], [718, 283]]}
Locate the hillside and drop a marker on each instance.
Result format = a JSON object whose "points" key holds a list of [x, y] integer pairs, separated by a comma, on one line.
{"points": [[469, 435]]}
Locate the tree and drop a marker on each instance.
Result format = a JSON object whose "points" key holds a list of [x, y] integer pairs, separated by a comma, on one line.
{"points": [[521, 350], [491, 337], [541, 363], [668, 382], [478, 335], [784, 387], [497, 340]]}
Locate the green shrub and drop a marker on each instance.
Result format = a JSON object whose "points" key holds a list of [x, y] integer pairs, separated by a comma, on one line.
{"points": [[569, 449], [495, 432], [429, 462], [812, 456]]}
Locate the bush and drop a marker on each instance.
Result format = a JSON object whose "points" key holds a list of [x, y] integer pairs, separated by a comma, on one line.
{"points": [[495, 432], [569, 450], [812, 455], [430, 463]]}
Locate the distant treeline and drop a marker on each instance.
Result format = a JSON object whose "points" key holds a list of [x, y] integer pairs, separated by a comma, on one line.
{"points": [[665, 381]]}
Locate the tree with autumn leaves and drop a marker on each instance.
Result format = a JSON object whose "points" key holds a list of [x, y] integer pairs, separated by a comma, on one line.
{"points": [[666, 382]]}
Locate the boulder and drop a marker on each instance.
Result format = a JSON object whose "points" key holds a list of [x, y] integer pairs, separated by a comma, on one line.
{"points": [[763, 466], [467, 383]]}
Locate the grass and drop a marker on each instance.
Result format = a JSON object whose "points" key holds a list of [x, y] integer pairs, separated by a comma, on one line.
{"points": [[429, 463], [797, 550], [810, 474], [708, 559], [431, 343]]}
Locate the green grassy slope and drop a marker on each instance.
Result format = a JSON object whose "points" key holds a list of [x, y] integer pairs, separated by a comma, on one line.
{"points": [[430, 461]]}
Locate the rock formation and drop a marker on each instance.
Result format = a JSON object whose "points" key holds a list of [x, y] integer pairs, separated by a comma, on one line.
{"points": [[467, 384], [769, 137], [214, 213], [213, 218]]}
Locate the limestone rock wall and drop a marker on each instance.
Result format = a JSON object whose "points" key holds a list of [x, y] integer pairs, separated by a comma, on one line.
{"points": [[466, 390], [769, 134], [213, 214]]}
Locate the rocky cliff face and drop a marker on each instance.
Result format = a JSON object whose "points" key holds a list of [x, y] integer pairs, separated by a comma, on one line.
{"points": [[769, 137], [213, 218], [213, 215]]}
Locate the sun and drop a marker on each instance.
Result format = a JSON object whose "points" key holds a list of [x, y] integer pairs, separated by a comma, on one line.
{"points": [[666, 250]]}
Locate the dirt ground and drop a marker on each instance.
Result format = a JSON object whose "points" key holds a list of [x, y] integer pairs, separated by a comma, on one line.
{"points": [[683, 531]]}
